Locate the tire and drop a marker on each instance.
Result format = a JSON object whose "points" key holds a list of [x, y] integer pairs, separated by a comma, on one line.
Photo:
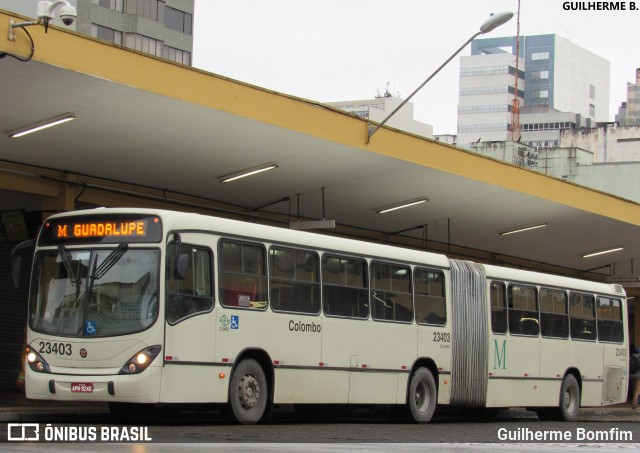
{"points": [[248, 392], [569, 399], [422, 396]]}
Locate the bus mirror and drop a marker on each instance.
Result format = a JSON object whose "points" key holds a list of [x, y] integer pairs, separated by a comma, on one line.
{"points": [[15, 271], [182, 264], [16, 260]]}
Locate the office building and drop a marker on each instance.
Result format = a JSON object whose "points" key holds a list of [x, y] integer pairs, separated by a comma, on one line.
{"points": [[553, 73], [163, 28]]}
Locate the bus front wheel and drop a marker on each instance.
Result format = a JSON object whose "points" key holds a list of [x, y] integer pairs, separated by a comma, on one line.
{"points": [[248, 392], [569, 398], [423, 396]]}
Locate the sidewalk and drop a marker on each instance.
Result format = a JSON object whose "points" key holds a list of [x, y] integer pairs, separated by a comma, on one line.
{"points": [[15, 407]]}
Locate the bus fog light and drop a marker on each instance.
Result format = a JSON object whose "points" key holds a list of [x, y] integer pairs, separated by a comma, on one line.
{"points": [[140, 360]]}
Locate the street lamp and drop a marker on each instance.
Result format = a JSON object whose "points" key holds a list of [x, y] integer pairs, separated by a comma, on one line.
{"points": [[488, 25]]}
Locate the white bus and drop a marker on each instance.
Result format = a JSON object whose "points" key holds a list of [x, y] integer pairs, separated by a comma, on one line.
{"points": [[149, 306]]}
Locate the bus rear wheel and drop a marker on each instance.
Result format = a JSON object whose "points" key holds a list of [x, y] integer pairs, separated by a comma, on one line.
{"points": [[248, 392], [423, 396]]}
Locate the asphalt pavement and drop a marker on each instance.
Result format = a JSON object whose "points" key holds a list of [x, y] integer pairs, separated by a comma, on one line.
{"points": [[15, 407]]}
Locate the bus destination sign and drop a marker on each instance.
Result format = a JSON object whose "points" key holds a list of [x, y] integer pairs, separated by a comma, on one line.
{"points": [[102, 228]]}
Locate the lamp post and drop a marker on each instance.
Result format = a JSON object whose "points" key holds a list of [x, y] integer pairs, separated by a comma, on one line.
{"points": [[488, 25]]}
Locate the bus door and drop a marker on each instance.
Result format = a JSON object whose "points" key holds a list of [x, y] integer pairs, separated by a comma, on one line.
{"points": [[615, 354], [189, 331]]}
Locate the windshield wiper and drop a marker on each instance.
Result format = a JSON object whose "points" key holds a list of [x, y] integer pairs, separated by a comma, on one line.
{"points": [[109, 262], [66, 260]]}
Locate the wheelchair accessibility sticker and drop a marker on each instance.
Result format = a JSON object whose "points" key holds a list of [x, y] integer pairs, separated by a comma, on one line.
{"points": [[229, 323], [90, 328]]}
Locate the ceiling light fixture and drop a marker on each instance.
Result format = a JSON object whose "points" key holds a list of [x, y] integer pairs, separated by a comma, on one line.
{"points": [[523, 228], [602, 252], [248, 172], [404, 204], [42, 125]]}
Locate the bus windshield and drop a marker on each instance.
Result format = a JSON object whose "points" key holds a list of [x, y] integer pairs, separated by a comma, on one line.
{"points": [[94, 292]]}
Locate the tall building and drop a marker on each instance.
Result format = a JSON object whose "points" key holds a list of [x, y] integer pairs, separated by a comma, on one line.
{"points": [[163, 28], [553, 73], [629, 112]]}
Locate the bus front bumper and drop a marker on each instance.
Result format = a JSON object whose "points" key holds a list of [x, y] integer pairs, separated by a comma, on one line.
{"points": [[134, 388]]}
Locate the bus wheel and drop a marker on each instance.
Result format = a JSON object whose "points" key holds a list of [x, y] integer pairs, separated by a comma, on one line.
{"points": [[423, 396], [248, 392], [569, 399]]}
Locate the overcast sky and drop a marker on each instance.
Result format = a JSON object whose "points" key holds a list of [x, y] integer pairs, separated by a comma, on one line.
{"points": [[335, 50]]}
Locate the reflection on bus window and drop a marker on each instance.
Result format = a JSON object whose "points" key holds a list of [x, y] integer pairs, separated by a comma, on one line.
{"points": [[582, 316], [192, 293], [554, 313], [243, 277], [345, 289], [498, 308], [430, 299], [101, 292], [391, 293], [295, 281], [523, 310], [610, 320]]}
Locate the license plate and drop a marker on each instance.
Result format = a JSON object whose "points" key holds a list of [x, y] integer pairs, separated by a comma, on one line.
{"points": [[82, 387]]}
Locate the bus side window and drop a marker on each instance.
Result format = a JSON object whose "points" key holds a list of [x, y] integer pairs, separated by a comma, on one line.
{"points": [[523, 310], [191, 293], [582, 316], [554, 313], [430, 297], [391, 292], [345, 287], [610, 328], [295, 281], [243, 277], [498, 307]]}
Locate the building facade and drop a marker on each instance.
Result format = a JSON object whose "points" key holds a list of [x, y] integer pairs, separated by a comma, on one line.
{"points": [[380, 107], [553, 73], [163, 28], [629, 112]]}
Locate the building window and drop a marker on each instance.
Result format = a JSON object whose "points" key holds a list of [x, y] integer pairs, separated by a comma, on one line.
{"points": [[178, 20], [541, 94], [471, 109], [106, 34], [115, 5], [540, 56], [496, 127], [540, 75], [592, 110], [592, 92], [151, 9], [177, 55], [143, 44]]}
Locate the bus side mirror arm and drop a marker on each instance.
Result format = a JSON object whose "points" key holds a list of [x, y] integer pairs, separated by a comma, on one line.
{"points": [[16, 260]]}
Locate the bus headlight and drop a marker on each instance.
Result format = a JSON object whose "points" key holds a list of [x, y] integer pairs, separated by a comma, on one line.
{"points": [[141, 360], [36, 362]]}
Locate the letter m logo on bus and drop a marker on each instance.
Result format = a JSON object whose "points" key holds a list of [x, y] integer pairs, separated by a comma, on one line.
{"points": [[500, 357]]}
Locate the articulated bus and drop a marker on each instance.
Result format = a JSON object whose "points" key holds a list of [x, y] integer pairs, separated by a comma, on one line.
{"points": [[159, 307]]}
